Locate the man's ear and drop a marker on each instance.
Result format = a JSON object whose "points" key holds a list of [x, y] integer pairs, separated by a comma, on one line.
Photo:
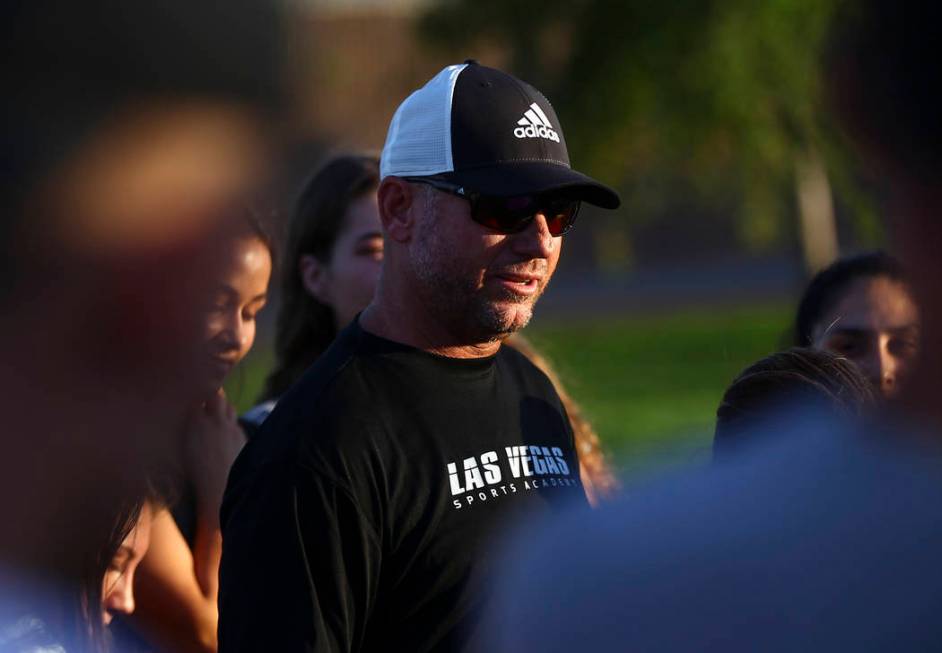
{"points": [[314, 278], [397, 200]]}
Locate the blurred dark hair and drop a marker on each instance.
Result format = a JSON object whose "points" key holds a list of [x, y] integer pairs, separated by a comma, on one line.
{"points": [[799, 377], [827, 286], [81, 624], [91, 598], [306, 326]]}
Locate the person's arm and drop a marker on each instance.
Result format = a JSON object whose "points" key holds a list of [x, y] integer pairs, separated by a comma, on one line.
{"points": [[174, 610], [178, 587]]}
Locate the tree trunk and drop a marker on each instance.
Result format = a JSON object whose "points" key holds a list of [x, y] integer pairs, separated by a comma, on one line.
{"points": [[816, 212]]}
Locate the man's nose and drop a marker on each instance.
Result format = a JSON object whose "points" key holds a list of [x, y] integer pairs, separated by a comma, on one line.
{"points": [[536, 241]]}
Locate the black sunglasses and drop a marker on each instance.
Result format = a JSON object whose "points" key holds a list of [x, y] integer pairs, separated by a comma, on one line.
{"points": [[510, 215]]}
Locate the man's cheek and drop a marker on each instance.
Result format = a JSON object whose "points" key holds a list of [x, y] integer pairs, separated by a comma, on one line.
{"points": [[553, 259]]}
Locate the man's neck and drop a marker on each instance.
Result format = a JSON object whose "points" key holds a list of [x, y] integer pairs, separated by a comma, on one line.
{"points": [[416, 328]]}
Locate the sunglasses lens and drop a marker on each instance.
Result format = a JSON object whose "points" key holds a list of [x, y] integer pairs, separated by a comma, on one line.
{"points": [[560, 215], [510, 215], [504, 214]]}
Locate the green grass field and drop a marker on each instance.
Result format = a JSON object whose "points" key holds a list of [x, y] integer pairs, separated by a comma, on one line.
{"points": [[649, 384]]}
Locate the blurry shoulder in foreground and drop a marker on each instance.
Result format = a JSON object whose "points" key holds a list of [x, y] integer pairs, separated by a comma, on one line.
{"points": [[821, 538], [824, 537]]}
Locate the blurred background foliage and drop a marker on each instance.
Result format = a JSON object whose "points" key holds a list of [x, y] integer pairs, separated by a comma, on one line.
{"points": [[709, 116], [704, 105]]}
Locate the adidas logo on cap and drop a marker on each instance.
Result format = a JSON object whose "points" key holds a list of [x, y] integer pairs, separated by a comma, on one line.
{"points": [[535, 124]]}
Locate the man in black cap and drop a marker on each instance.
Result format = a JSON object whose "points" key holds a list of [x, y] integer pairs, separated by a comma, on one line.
{"points": [[361, 516]]}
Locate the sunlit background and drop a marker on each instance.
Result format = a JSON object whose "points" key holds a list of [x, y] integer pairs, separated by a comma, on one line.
{"points": [[707, 116]]}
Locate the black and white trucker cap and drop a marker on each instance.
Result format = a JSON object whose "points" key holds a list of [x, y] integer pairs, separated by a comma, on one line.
{"points": [[489, 132]]}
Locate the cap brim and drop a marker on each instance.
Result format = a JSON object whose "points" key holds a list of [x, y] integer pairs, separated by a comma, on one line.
{"points": [[534, 177]]}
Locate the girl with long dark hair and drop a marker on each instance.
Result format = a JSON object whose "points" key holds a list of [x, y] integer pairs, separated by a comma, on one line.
{"points": [[332, 261], [178, 580], [862, 308]]}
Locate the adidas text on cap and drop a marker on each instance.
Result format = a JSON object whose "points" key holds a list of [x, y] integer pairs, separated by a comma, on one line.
{"points": [[489, 132]]}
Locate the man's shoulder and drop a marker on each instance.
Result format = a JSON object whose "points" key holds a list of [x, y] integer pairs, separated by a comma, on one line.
{"points": [[519, 366], [341, 402], [325, 427]]}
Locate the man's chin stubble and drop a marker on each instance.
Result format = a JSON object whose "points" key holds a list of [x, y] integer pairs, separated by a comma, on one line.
{"points": [[498, 322]]}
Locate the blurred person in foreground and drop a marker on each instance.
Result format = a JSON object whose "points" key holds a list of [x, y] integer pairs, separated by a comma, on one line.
{"points": [[805, 378], [125, 149], [106, 590], [178, 581], [334, 255], [368, 501], [862, 308], [827, 537]]}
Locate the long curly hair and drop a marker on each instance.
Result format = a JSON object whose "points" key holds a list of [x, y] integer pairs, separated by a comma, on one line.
{"points": [[598, 478]]}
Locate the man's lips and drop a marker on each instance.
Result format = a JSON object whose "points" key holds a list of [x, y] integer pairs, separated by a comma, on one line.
{"points": [[520, 283]]}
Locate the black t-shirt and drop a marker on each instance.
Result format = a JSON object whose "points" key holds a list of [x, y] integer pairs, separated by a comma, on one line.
{"points": [[363, 515]]}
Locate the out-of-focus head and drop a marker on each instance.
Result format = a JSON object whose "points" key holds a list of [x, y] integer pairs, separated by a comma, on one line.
{"points": [[333, 259], [800, 380], [862, 308], [881, 74], [122, 133], [117, 586], [234, 299], [132, 133], [477, 191]]}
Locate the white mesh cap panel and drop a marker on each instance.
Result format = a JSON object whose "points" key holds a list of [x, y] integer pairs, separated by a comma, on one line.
{"points": [[419, 138]]}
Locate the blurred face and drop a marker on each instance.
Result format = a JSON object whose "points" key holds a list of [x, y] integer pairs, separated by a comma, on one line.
{"points": [[237, 297], [347, 282], [875, 323], [484, 284], [117, 590], [112, 238]]}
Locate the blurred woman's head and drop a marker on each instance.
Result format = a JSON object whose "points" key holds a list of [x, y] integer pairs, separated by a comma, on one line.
{"points": [[234, 300], [107, 586], [117, 586], [862, 308], [333, 258], [809, 380]]}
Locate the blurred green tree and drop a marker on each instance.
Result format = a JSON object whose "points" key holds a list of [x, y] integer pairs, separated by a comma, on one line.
{"points": [[722, 98]]}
